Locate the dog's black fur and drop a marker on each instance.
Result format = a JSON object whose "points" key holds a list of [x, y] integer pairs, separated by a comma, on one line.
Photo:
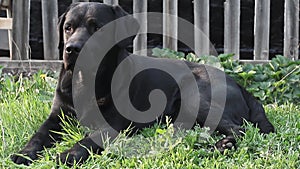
{"points": [[76, 26]]}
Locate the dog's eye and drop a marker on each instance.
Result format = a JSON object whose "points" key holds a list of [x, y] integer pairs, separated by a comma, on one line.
{"points": [[68, 29]]}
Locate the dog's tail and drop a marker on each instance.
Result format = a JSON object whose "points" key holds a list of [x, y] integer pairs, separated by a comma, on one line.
{"points": [[257, 113]]}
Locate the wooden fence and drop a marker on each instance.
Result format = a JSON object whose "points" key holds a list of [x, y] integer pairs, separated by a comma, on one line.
{"points": [[19, 39]]}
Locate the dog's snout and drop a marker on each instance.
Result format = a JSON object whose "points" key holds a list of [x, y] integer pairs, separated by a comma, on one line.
{"points": [[73, 48]]}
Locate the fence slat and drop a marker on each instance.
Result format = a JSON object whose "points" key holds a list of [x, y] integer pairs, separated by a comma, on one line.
{"points": [[170, 24], [291, 29], [201, 20], [50, 36], [232, 27], [140, 41], [20, 40], [261, 29], [10, 36], [111, 2]]}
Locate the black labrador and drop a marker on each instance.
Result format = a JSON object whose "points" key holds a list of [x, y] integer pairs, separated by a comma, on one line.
{"points": [[76, 26]]}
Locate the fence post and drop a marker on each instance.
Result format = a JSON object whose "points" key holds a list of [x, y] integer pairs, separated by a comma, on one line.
{"points": [[111, 2], [170, 24], [261, 29], [201, 20], [140, 41], [232, 27], [291, 29], [20, 40], [6, 23], [50, 36]]}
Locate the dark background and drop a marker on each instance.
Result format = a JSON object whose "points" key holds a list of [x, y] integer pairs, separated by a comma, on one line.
{"points": [[185, 10]]}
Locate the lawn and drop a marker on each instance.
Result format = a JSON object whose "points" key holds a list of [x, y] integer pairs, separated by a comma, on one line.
{"points": [[25, 103]]}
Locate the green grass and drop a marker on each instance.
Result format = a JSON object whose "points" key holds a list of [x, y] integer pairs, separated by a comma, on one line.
{"points": [[25, 103]]}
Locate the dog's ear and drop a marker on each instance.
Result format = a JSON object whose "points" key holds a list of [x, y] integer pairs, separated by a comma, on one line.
{"points": [[60, 29], [123, 26]]}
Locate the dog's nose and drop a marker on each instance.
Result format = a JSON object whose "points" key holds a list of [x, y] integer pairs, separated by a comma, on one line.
{"points": [[73, 48]]}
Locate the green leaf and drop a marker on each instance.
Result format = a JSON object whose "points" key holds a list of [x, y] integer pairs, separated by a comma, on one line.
{"points": [[260, 77], [238, 69], [225, 57], [160, 131], [156, 52], [261, 95], [265, 85], [251, 72]]}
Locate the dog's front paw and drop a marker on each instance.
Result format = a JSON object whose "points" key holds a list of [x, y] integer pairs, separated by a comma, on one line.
{"points": [[75, 155], [24, 157], [226, 143]]}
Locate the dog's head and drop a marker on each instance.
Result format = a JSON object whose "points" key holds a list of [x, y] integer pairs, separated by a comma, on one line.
{"points": [[82, 20]]}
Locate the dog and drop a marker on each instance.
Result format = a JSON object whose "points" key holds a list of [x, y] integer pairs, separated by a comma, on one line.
{"points": [[76, 26]]}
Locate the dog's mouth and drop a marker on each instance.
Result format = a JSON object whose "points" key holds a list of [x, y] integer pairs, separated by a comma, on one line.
{"points": [[70, 61]]}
